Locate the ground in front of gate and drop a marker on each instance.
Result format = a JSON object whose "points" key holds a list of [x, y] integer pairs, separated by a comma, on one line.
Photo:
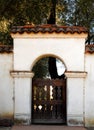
{"points": [[45, 127]]}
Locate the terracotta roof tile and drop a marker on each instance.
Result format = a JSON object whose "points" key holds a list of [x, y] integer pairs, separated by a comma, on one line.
{"points": [[89, 48], [6, 48], [48, 28]]}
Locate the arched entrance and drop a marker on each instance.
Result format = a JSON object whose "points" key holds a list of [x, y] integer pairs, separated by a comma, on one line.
{"points": [[49, 96]]}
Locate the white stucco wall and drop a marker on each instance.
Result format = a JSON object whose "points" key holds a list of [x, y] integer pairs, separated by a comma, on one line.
{"points": [[23, 100], [26, 51], [75, 111], [89, 90], [6, 86], [80, 97]]}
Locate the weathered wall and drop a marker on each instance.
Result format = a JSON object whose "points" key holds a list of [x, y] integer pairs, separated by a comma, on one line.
{"points": [[6, 86], [89, 90]]}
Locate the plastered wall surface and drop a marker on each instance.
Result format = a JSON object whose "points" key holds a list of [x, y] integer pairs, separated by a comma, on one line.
{"points": [[26, 52], [16, 89], [89, 90], [6, 86]]}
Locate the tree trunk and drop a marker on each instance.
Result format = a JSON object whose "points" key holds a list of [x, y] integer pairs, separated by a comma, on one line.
{"points": [[52, 17], [52, 67], [52, 61]]}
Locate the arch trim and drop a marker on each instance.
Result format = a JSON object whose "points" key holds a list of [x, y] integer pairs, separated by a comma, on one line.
{"points": [[48, 55]]}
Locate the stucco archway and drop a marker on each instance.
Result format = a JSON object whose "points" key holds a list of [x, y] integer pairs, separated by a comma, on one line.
{"points": [[30, 42], [51, 87]]}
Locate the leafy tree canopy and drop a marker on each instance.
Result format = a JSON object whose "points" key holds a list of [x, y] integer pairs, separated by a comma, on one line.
{"points": [[21, 12]]}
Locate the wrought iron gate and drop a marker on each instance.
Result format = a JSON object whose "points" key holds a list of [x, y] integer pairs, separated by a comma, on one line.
{"points": [[49, 101]]}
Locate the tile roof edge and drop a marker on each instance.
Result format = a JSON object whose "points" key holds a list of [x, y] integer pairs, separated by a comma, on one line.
{"points": [[6, 49], [48, 28], [89, 48]]}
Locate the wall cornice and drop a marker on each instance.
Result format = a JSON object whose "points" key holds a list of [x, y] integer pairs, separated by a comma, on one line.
{"points": [[22, 74], [75, 74], [47, 35]]}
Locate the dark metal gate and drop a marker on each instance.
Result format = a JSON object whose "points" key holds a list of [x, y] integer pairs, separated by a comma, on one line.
{"points": [[49, 101]]}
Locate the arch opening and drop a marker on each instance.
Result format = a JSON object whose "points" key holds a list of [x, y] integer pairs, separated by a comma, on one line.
{"points": [[43, 67], [48, 92]]}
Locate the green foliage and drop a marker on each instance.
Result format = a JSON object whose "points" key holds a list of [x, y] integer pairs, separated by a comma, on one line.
{"points": [[80, 13], [21, 12], [5, 37], [40, 69]]}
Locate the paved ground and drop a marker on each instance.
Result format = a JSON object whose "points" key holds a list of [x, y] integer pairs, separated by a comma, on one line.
{"points": [[5, 128], [43, 127], [48, 127]]}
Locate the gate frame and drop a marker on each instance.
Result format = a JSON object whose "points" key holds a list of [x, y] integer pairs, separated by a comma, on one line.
{"points": [[53, 80]]}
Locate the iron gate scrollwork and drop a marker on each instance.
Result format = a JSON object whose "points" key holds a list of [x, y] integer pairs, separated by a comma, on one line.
{"points": [[49, 101]]}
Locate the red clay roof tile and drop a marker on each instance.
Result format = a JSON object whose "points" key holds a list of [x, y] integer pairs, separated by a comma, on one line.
{"points": [[6, 48], [48, 28], [89, 48]]}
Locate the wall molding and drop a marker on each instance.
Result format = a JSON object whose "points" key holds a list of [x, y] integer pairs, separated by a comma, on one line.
{"points": [[21, 74], [75, 74]]}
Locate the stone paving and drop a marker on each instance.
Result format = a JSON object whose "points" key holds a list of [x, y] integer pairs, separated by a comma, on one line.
{"points": [[43, 127], [5, 128], [46, 127]]}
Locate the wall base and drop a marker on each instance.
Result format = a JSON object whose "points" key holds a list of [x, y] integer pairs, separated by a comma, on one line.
{"points": [[75, 121], [23, 119]]}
